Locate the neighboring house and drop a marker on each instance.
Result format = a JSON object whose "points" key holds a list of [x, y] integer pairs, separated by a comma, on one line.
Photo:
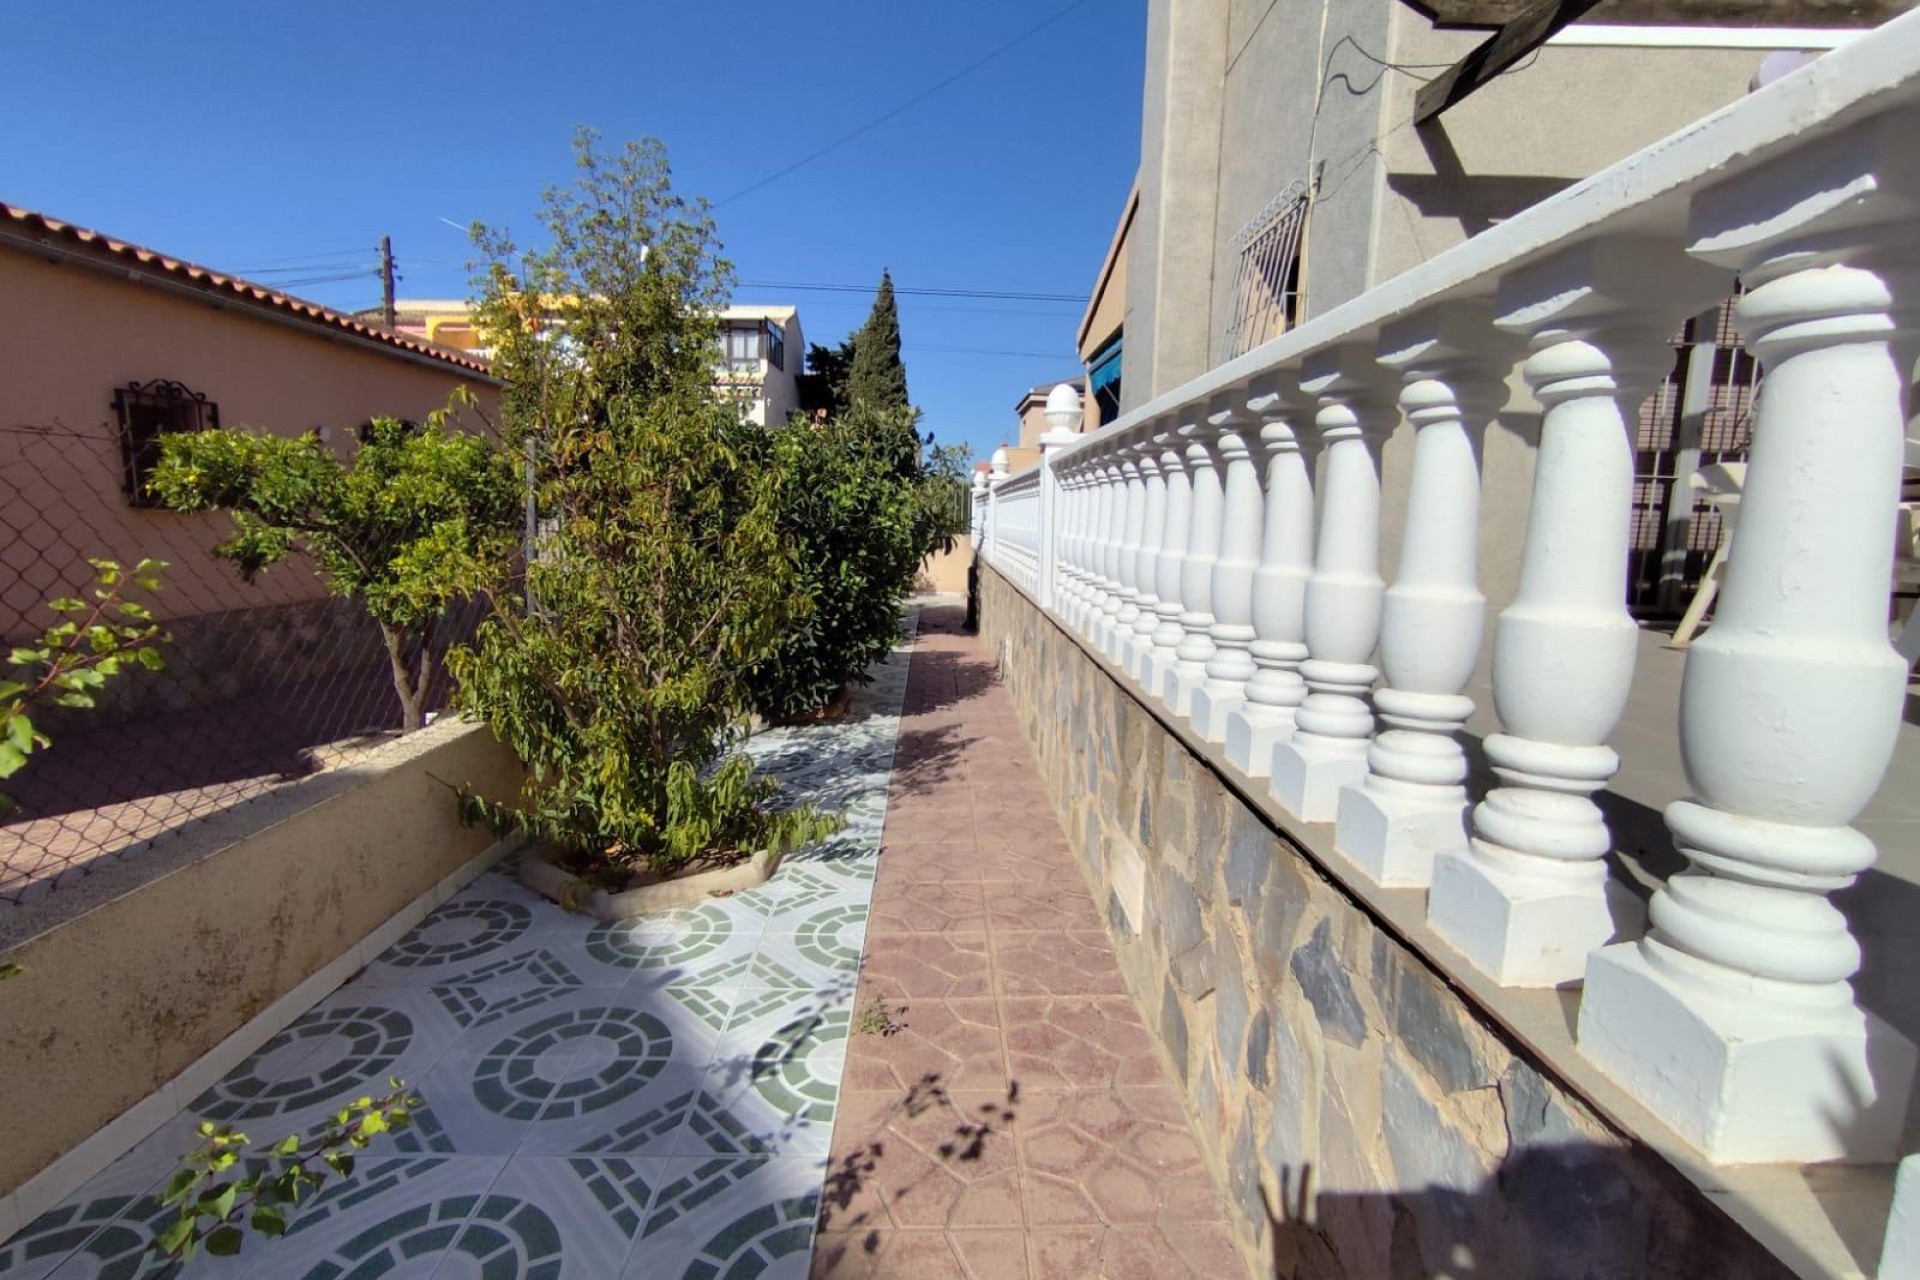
{"points": [[107, 346], [762, 348], [1030, 411], [1102, 329], [764, 351], [1283, 172]]}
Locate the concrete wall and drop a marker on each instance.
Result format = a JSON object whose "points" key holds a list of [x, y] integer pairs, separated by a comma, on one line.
{"points": [[132, 974], [1361, 1117], [70, 336]]}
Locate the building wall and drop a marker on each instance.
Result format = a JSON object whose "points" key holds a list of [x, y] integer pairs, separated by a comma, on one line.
{"points": [[69, 337], [780, 392], [1361, 1117]]}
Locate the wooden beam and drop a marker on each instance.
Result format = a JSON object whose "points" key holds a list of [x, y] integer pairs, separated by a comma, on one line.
{"points": [[1506, 46]]}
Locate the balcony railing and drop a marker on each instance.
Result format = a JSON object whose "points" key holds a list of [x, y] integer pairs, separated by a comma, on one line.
{"points": [[1201, 544]]}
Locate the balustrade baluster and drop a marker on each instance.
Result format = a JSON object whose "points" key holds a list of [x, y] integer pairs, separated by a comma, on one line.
{"points": [[1133, 517], [1328, 747], [1734, 1019], [1195, 648], [1153, 532], [1167, 632], [1531, 897], [1412, 803], [1276, 690], [1231, 595], [1112, 532]]}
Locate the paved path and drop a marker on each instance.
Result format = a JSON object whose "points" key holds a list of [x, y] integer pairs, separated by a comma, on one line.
{"points": [[1003, 1114]]}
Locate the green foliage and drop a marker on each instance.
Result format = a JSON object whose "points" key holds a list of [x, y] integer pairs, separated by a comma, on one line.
{"points": [[661, 576], [219, 1190], [823, 387], [419, 518], [877, 378], [850, 511], [95, 640]]}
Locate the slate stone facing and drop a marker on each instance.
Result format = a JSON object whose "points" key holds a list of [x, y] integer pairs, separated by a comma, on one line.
{"points": [[1323, 980], [1384, 1120]]}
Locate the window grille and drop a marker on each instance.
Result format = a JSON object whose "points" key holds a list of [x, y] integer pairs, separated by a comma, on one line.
{"points": [[148, 411], [1266, 281], [776, 345], [743, 349]]}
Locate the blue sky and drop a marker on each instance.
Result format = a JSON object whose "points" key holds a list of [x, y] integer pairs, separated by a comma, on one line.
{"points": [[250, 136]]}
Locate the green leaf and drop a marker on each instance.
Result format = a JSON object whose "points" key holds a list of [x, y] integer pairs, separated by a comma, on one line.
{"points": [[269, 1220], [218, 1199], [20, 733], [287, 1145], [12, 759], [174, 1238], [224, 1242]]}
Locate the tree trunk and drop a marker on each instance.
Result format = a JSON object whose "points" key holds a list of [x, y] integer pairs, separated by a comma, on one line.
{"points": [[411, 715]]}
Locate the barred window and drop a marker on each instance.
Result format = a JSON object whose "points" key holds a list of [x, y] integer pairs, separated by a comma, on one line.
{"points": [[147, 411], [1266, 282], [776, 345]]}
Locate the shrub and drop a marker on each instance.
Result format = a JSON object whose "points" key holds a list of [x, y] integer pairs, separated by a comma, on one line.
{"points": [[660, 576], [419, 518]]}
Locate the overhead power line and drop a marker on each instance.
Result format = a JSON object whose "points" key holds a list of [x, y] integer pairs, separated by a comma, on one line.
{"points": [[923, 291], [914, 101]]}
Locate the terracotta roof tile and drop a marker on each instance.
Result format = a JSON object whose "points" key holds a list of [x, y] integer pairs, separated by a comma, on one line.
{"points": [[40, 226]]}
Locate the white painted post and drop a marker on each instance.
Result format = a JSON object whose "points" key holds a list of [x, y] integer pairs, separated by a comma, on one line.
{"points": [[1231, 596], [978, 512], [1153, 532], [1047, 512], [1098, 509], [1069, 589], [1412, 804], [1133, 517], [1195, 648], [1276, 690], [1167, 632], [996, 476], [1328, 748], [1531, 897], [1733, 1019]]}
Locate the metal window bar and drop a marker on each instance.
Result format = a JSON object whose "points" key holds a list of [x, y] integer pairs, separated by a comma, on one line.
{"points": [[1266, 280]]}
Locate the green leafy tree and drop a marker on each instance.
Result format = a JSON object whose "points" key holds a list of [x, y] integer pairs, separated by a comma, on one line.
{"points": [[220, 1191], [95, 640], [823, 387], [877, 377], [660, 577], [417, 519]]}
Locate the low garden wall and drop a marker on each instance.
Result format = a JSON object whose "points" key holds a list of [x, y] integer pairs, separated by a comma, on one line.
{"points": [[1362, 1116], [136, 980]]}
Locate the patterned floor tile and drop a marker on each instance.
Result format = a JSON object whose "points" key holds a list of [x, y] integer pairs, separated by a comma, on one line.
{"points": [[691, 944], [561, 1217], [898, 1044], [1077, 1042], [818, 950], [629, 1089], [480, 927], [1056, 964], [103, 1229], [731, 1218], [774, 1083]]}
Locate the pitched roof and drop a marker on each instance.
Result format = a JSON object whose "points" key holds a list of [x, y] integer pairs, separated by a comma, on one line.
{"points": [[17, 225]]}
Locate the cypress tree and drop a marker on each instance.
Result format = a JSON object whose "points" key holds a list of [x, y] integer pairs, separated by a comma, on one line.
{"points": [[878, 379]]}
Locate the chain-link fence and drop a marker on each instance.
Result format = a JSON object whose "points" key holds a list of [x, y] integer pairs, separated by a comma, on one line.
{"points": [[260, 682]]}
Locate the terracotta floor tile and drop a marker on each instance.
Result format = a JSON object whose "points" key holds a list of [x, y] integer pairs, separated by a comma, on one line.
{"points": [[1015, 906], [957, 1044], [1078, 963], [1015, 1121], [941, 965], [916, 905], [1077, 1042]]}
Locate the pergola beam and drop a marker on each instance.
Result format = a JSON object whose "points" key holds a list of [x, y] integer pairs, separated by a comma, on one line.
{"points": [[1527, 32]]}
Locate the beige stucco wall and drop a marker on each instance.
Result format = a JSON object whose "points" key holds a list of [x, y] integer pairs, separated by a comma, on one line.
{"points": [[946, 571], [69, 336], [118, 999]]}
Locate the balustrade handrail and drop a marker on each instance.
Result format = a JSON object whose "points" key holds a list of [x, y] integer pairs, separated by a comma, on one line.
{"points": [[1194, 543]]}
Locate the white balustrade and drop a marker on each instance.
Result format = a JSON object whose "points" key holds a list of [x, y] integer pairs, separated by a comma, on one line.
{"points": [[1167, 632], [1733, 1019], [1153, 532], [1532, 896], [1195, 648], [1331, 729], [1221, 544], [1413, 801], [1231, 594], [1133, 519], [1275, 690]]}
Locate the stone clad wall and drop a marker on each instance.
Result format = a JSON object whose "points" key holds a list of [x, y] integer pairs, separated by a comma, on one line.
{"points": [[1361, 1118]]}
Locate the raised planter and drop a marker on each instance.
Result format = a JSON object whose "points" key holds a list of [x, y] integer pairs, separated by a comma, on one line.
{"points": [[538, 873]]}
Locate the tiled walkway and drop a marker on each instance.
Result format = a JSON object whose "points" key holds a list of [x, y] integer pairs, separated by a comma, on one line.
{"points": [[1004, 1115], [649, 1100]]}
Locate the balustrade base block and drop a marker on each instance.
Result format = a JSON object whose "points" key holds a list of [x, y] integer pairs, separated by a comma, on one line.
{"points": [[1528, 931], [1394, 839], [1153, 669], [1743, 1079], [1211, 710], [1251, 737], [1307, 776], [1180, 684]]}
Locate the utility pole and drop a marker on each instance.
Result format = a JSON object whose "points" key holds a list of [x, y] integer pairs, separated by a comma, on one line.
{"points": [[386, 284]]}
